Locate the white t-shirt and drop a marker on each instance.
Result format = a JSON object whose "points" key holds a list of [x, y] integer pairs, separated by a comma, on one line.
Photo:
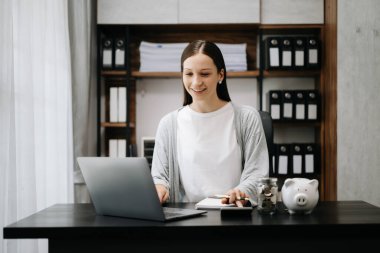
{"points": [[209, 156]]}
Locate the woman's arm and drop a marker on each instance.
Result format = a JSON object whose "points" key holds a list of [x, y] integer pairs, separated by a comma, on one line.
{"points": [[160, 163], [255, 153]]}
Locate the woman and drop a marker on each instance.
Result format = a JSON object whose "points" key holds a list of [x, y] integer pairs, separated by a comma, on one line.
{"points": [[210, 145]]}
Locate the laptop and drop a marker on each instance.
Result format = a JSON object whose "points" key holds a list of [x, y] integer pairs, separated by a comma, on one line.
{"points": [[124, 187]]}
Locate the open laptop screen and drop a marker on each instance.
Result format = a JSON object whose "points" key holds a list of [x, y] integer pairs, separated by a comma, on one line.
{"points": [[124, 187]]}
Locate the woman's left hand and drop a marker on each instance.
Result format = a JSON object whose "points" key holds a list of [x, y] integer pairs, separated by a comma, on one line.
{"points": [[237, 197]]}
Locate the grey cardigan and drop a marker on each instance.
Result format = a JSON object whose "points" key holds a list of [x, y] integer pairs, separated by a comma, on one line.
{"points": [[250, 137]]}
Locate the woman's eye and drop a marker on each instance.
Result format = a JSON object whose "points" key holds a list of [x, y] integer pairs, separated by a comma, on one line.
{"points": [[205, 74], [188, 74]]}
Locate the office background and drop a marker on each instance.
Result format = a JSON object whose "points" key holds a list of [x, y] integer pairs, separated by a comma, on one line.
{"points": [[358, 120], [357, 117]]}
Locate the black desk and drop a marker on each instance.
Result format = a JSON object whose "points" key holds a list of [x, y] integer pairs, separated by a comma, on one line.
{"points": [[352, 225]]}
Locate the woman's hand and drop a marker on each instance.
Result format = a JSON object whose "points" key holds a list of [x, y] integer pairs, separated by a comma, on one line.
{"points": [[237, 197], [163, 193]]}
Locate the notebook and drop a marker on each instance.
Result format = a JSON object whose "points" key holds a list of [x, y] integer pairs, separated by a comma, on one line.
{"points": [[124, 187], [215, 202], [211, 203]]}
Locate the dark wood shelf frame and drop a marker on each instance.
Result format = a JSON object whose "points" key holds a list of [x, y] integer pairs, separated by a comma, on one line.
{"points": [[329, 103]]}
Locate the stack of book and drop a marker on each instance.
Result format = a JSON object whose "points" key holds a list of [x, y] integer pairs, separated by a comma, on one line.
{"points": [[166, 57]]}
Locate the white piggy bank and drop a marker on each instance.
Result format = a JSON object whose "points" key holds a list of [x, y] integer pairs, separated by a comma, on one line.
{"points": [[300, 195]]}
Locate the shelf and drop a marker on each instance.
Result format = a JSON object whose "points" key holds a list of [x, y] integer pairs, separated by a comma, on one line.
{"points": [[286, 29], [138, 74], [114, 72], [231, 74], [237, 74], [250, 73], [291, 73], [289, 27], [116, 124], [296, 123]]}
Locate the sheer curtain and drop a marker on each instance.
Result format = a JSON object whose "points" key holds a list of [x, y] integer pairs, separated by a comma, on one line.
{"points": [[36, 143], [82, 30]]}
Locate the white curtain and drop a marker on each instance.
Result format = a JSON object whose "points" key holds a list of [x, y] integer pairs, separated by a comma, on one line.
{"points": [[82, 27], [36, 150]]}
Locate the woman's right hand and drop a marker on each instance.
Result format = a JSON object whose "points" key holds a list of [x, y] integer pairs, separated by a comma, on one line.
{"points": [[163, 193]]}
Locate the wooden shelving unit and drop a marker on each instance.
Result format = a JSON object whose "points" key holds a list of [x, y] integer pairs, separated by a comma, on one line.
{"points": [[232, 33]]}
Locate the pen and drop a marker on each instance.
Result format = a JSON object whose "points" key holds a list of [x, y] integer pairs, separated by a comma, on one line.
{"points": [[221, 196]]}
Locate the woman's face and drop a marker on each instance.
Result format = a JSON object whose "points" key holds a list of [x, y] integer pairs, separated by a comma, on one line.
{"points": [[200, 78]]}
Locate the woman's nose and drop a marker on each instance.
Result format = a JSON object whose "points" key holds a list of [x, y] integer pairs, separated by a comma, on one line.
{"points": [[197, 81]]}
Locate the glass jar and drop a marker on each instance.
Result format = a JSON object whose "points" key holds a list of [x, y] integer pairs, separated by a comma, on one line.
{"points": [[267, 191]]}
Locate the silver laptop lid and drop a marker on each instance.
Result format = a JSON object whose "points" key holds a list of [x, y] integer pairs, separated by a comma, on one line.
{"points": [[121, 187]]}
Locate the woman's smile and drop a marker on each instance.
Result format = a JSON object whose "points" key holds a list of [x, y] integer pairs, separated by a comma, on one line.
{"points": [[198, 91]]}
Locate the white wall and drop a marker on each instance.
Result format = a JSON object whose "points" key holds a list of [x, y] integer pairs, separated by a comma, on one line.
{"points": [[358, 100]]}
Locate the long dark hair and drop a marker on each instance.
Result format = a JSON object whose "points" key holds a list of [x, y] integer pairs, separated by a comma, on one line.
{"points": [[210, 49]]}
